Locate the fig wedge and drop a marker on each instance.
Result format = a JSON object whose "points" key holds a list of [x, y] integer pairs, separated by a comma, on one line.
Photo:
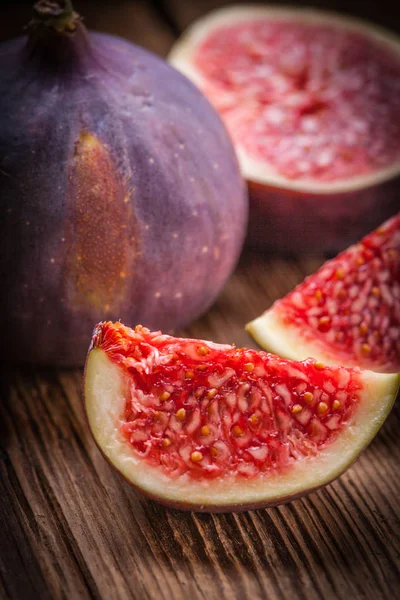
{"points": [[347, 313], [213, 428]]}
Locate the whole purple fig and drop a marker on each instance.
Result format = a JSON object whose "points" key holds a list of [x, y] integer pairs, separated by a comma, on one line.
{"points": [[120, 193]]}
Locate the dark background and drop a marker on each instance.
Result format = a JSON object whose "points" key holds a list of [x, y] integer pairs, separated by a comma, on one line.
{"points": [[105, 15]]}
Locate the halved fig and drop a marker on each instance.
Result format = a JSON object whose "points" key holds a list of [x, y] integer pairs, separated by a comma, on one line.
{"points": [[346, 313], [209, 427], [312, 102]]}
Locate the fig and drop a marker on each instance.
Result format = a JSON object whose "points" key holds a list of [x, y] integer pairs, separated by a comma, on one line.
{"points": [[210, 427], [120, 190], [311, 99], [346, 313]]}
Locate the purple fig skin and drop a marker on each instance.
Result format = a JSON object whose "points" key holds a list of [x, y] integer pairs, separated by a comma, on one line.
{"points": [[120, 194]]}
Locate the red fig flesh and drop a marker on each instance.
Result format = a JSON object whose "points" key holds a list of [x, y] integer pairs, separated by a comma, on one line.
{"points": [[210, 427], [347, 313]]}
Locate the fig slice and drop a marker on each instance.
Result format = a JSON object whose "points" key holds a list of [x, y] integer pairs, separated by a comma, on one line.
{"points": [[346, 313], [210, 427], [309, 99]]}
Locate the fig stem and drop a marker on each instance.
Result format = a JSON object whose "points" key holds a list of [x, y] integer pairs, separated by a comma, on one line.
{"points": [[68, 8], [58, 14]]}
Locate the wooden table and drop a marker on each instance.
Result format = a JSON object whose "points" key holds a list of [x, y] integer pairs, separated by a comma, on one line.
{"points": [[70, 528]]}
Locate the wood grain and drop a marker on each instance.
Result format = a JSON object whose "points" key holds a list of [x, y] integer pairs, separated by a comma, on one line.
{"points": [[72, 529]]}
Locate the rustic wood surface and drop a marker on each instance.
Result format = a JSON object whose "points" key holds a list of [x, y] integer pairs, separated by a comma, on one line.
{"points": [[71, 528]]}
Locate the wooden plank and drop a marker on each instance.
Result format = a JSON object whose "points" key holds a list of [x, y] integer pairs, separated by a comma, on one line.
{"points": [[74, 529], [257, 282]]}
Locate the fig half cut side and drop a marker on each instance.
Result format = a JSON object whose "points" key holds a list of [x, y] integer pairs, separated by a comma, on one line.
{"points": [[346, 313], [202, 426], [311, 99]]}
